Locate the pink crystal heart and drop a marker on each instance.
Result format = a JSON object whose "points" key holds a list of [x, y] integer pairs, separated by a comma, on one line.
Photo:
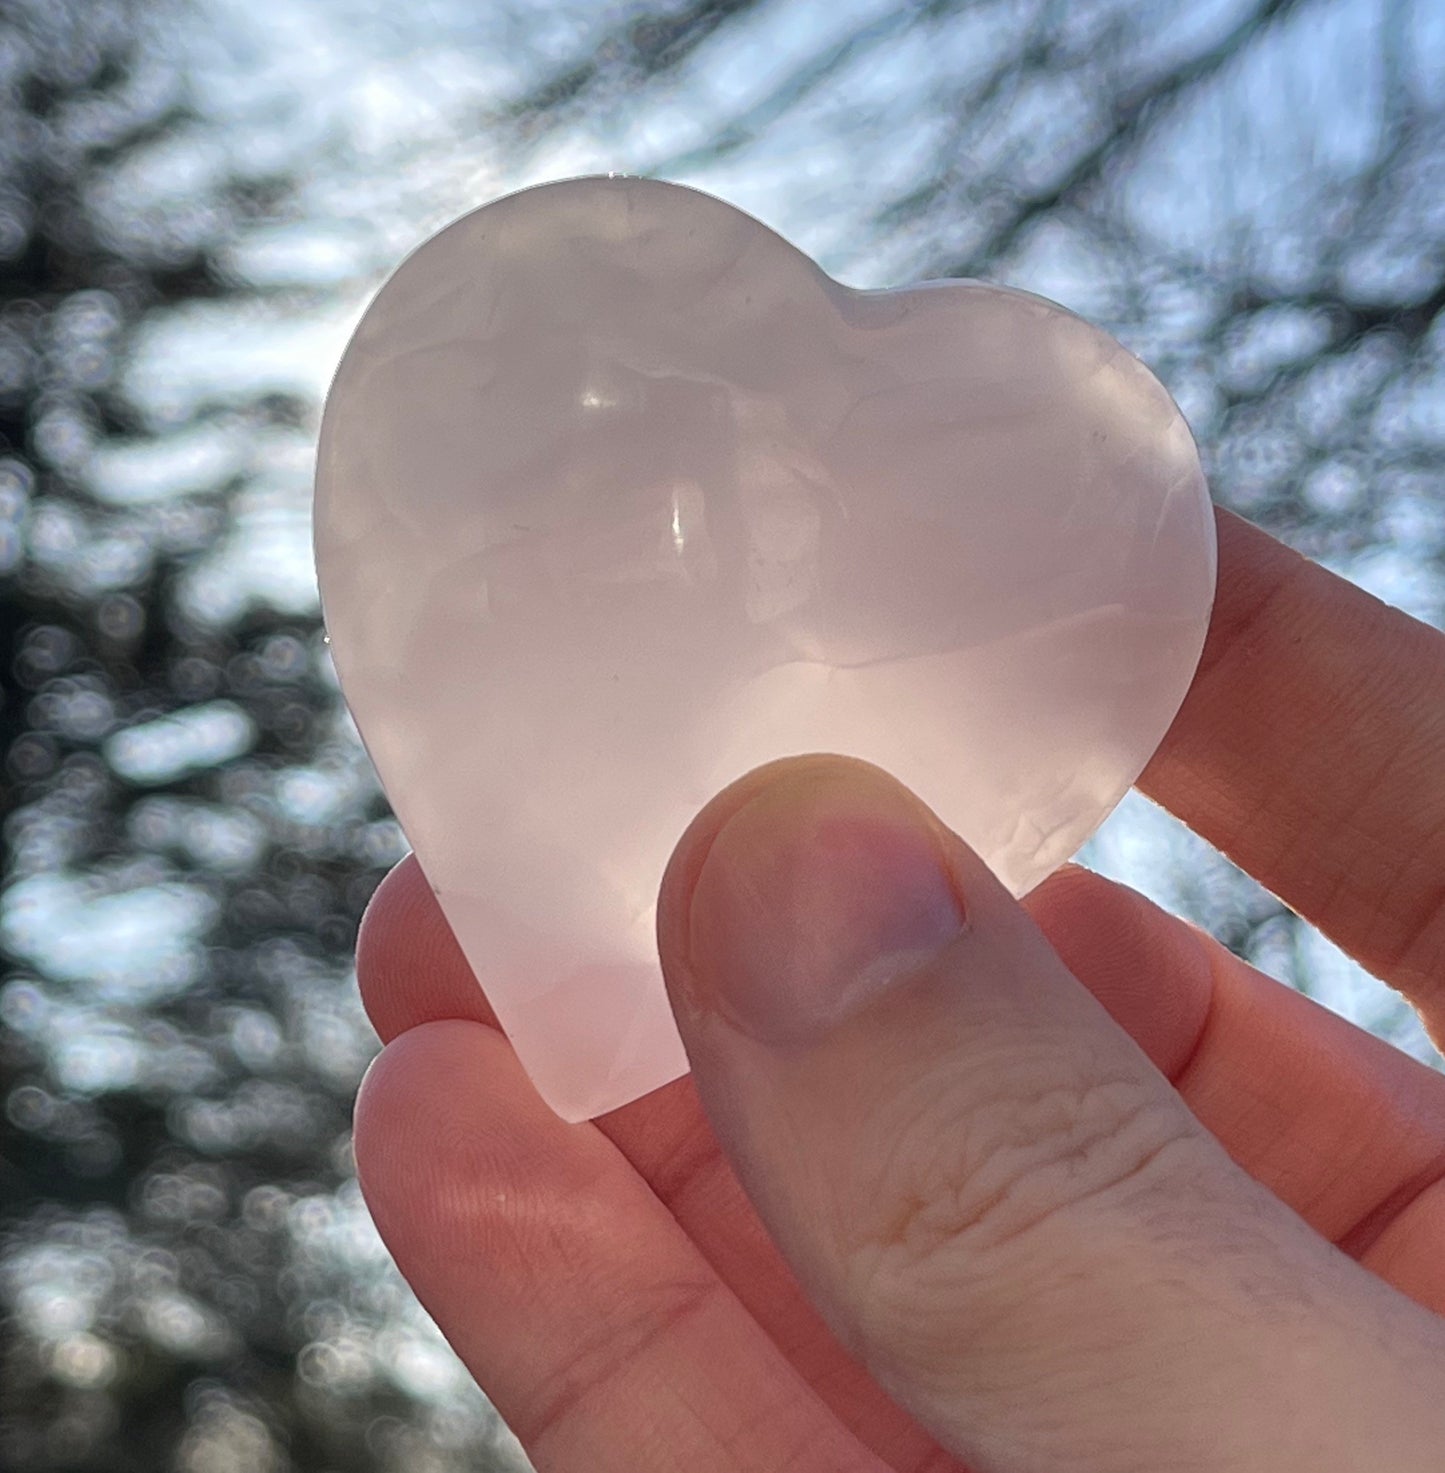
{"points": [[619, 495]]}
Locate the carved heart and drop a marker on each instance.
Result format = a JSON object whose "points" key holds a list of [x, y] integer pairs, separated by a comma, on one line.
{"points": [[619, 496]]}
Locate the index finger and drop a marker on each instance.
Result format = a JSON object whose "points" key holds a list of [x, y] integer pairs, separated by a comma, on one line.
{"points": [[1311, 751]]}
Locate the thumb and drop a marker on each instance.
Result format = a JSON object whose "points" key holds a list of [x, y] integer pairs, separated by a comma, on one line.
{"points": [[999, 1204]]}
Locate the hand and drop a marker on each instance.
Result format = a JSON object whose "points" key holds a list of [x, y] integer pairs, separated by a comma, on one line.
{"points": [[1065, 1185]]}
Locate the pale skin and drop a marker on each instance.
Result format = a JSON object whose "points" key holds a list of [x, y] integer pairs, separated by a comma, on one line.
{"points": [[959, 1183]]}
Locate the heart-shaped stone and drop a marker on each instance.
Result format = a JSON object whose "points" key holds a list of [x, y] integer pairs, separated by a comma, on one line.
{"points": [[619, 495]]}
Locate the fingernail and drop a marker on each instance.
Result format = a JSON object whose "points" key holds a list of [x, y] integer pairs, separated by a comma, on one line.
{"points": [[824, 888]]}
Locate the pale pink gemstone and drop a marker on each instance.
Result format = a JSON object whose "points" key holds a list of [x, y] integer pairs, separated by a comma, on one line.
{"points": [[619, 496]]}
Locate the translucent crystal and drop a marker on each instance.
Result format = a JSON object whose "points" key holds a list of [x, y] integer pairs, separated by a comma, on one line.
{"points": [[619, 495]]}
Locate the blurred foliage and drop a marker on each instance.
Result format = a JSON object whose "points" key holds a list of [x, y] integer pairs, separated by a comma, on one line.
{"points": [[188, 1276], [193, 196]]}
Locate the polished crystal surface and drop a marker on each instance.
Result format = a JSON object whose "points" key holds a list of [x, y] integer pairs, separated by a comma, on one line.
{"points": [[619, 495]]}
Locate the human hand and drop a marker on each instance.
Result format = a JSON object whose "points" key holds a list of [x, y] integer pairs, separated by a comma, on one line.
{"points": [[1070, 1186]]}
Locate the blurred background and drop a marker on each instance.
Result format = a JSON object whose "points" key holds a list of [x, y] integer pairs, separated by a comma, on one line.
{"points": [[196, 197]]}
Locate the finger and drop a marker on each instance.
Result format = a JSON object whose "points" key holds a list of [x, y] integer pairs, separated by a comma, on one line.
{"points": [[1341, 1126], [1311, 750], [1347, 1130], [991, 1194], [602, 1337], [412, 972], [408, 964]]}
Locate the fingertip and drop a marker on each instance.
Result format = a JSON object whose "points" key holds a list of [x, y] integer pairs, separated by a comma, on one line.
{"points": [[395, 1109], [397, 1101], [409, 966], [691, 853], [448, 1136], [829, 883], [1150, 970]]}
